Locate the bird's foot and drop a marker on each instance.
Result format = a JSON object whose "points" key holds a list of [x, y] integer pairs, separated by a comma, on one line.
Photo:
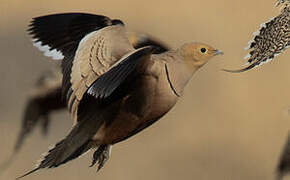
{"points": [[101, 156]]}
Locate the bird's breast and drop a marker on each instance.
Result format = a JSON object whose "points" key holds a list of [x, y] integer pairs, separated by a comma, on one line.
{"points": [[145, 105]]}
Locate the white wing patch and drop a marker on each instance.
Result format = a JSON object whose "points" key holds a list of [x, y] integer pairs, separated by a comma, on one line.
{"points": [[53, 53]]}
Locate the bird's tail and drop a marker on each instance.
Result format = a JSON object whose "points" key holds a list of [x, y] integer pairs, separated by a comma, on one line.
{"points": [[57, 155], [77, 142]]}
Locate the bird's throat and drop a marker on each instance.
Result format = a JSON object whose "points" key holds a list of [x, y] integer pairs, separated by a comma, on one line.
{"points": [[177, 76]]}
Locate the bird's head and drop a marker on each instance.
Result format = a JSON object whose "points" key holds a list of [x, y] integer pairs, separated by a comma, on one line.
{"points": [[197, 54]]}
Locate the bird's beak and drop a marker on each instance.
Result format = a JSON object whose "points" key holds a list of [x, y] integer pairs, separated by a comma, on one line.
{"points": [[218, 52]]}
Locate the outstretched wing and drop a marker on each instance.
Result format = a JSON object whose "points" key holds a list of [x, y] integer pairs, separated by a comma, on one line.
{"points": [[272, 38], [58, 35], [63, 33]]}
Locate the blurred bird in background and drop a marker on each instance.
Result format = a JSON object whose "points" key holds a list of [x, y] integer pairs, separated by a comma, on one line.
{"points": [[45, 98], [283, 167], [112, 89], [270, 40]]}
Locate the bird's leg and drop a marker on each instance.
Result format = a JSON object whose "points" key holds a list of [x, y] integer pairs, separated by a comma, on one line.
{"points": [[101, 155]]}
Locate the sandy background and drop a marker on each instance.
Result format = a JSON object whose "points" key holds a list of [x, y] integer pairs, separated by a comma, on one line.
{"points": [[226, 127]]}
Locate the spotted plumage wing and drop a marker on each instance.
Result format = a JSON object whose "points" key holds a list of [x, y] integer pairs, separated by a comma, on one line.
{"points": [[272, 39], [279, 2]]}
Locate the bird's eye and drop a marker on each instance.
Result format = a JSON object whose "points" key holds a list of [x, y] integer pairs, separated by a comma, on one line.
{"points": [[203, 50]]}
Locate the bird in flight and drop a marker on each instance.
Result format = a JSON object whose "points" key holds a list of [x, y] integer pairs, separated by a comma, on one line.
{"points": [[270, 40], [45, 97], [112, 90]]}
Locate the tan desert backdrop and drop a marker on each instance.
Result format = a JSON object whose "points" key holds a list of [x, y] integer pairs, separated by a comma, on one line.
{"points": [[226, 127]]}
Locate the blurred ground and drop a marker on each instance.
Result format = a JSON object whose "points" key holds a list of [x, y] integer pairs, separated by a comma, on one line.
{"points": [[226, 127]]}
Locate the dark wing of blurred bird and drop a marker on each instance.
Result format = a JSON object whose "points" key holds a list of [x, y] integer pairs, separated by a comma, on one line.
{"points": [[283, 167], [45, 98], [270, 40]]}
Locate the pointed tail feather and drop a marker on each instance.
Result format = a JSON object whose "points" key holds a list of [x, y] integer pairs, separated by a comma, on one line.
{"points": [[53, 158], [76, 143]]}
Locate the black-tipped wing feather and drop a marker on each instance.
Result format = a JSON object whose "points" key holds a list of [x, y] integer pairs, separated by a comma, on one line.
{"points": [[64, 31], [38, 109], [108, 82]]}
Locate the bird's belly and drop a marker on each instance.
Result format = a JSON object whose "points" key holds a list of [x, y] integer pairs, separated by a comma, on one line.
{"points": [[128, 123]]}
